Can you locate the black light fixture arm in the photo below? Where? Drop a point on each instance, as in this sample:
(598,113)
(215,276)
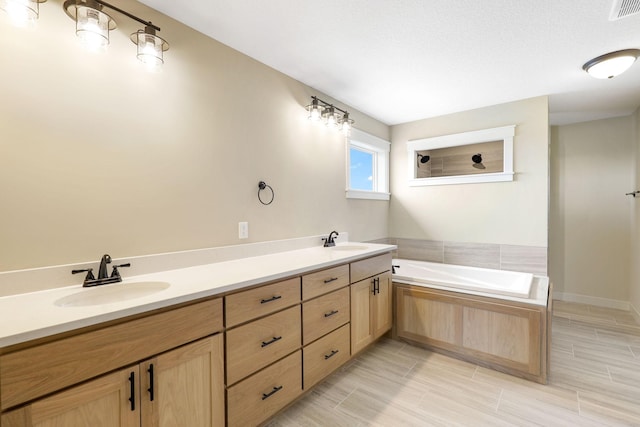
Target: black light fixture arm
(124,12)
(327,104)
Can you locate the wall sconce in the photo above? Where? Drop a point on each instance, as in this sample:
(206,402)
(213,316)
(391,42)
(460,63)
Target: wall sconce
(22,12)
(611,64)
(93,26)
(422,159)
(319,109)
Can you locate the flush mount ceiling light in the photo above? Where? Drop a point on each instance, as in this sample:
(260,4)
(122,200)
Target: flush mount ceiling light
(93,26)
(330,114)
(611,64)
(22,12)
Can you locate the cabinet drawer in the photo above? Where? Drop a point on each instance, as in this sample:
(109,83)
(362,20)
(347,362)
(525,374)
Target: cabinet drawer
(261,342)
(254,303)
(324,314)
(255,399)
(370,267)
(43,369)
(324,281)
(325,355)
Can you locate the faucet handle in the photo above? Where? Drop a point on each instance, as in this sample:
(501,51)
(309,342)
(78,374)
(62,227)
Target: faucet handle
(115,272)
(89,273)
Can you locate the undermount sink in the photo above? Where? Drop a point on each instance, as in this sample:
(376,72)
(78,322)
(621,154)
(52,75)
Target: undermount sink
(108,294)
(349,248)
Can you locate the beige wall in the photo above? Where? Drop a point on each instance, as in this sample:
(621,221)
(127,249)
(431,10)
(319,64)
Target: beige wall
(635,224)
(97,155)
(592,167)
(504,212)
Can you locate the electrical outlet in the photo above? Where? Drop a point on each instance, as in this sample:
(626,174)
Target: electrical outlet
(243,230)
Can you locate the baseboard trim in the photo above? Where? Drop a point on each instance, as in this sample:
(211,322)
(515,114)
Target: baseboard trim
(597,301)
(636,313)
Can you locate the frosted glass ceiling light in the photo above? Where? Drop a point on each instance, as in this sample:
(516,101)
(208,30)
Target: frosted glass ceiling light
(611,64)
(150,47)
(22,12)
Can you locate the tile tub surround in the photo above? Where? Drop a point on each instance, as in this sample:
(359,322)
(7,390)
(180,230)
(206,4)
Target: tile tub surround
(594,381)
(38,279)
(526,259)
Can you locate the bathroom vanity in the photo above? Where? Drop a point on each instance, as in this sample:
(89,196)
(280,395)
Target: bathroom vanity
(234,354)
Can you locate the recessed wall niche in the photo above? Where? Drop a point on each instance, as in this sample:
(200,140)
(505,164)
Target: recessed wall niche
(479,156)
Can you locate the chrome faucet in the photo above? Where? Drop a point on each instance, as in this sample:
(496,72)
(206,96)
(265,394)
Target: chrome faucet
(329,241)
(103,275)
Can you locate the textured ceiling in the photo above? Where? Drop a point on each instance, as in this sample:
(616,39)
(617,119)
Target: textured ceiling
(404,60)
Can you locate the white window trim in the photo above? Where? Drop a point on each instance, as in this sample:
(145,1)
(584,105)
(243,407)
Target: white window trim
(367,142)
(505,133)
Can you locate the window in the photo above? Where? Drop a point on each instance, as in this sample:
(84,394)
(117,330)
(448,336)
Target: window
(367,167)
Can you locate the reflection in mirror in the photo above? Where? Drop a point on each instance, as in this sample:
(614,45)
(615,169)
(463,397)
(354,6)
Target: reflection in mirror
(478,156)
(484,157)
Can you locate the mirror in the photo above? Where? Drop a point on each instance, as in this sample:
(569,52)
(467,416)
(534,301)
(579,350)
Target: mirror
(478,156)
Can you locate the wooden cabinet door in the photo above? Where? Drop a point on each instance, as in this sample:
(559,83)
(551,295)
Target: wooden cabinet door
(103,402)
(186,384)
(381,305)
(361,326)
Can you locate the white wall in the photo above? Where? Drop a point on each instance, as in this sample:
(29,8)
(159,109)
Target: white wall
(505,212)
(635,224)
(592,167)
(97,155)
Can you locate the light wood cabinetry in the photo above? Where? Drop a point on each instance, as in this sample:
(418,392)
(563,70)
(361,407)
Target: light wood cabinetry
(324,314)
(325,355)
(370,300)
(253,303)
(253,400)
(508,336)
(254,345)
(180,387)
(325,281)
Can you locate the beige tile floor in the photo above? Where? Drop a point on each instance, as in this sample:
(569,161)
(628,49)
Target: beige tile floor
(594,381)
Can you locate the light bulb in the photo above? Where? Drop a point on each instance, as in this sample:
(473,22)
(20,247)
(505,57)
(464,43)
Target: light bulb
(22,13)
(92,28)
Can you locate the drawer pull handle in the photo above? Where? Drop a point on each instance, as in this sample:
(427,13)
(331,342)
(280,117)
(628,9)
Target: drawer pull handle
(330,355)
(331,313)
(333,279)
(266,343)
(132,383)
(273,298)
(271,393)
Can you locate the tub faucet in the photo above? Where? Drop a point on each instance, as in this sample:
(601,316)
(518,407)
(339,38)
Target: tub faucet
(393,268)
(329,241)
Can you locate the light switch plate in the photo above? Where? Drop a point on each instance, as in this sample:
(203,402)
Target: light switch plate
(243,230)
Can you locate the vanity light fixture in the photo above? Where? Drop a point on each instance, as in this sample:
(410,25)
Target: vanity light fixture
(93,26)
(22,12)
(330,115)
(611,64)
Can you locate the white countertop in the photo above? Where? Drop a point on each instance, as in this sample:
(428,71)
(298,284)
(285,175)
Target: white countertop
(33,315)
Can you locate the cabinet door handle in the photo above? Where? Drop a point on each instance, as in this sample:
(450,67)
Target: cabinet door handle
(373,282)
(331,313)
(273,298)
(330,355)
(151,388)
(132,384)
(271,393)
(266,343)
(333,279)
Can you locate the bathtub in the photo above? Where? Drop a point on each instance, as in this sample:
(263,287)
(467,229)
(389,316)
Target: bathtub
(457,277)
